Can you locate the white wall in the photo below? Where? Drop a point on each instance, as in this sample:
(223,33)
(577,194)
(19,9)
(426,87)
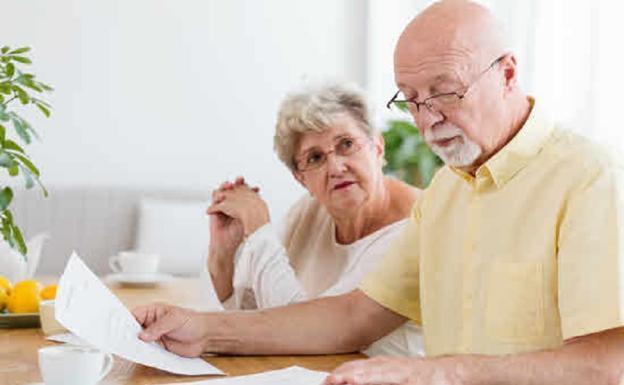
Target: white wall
(178,93)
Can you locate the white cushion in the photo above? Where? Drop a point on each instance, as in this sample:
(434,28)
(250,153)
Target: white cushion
(177,231)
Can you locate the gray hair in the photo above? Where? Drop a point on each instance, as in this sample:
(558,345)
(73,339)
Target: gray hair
(314,109)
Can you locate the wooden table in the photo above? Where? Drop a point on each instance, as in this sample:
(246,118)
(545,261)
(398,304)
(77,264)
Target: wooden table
(18,347)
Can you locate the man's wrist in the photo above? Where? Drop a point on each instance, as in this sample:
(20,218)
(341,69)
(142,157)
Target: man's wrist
(468,369)
(217,335)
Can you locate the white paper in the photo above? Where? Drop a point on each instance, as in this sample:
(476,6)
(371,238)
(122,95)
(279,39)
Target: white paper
(89,310)
(293,375)
(67,338)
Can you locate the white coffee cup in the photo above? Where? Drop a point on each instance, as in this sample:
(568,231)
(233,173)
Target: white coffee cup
(73,365)
(131,262)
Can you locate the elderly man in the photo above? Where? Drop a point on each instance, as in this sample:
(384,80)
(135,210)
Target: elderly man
(512,260)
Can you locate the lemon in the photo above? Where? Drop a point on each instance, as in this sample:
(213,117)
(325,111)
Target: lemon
(25,297)
(49,292)
(3,299)
(5,284)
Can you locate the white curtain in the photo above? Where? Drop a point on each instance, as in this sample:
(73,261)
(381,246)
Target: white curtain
(569,51)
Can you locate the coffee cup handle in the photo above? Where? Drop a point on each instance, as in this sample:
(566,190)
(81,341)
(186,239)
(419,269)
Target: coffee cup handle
(107,366)
(113,263)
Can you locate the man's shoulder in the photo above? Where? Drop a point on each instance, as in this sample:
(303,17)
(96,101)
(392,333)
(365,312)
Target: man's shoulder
(569,149)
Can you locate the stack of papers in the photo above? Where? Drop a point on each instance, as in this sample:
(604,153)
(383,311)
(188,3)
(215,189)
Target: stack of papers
(86,307)
(293,375)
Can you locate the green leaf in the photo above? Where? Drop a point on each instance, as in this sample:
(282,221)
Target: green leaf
(5,49)
(28,164)
(21,94)
(19,50)
(11,145)
(10,70)
(14,170)
(5,88)
(28,178)
(19,240)
(43,109)
(45,87)
(21,59)
(6,196)
(2,133)
(1,99)
(21,130)
(29,128)
(6,159)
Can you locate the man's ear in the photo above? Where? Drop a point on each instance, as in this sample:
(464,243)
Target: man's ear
(510,71)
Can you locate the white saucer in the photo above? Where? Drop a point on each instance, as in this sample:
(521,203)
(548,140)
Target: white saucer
(139,279)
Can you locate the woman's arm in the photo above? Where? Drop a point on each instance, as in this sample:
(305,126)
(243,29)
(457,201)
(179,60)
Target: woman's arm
(264,267)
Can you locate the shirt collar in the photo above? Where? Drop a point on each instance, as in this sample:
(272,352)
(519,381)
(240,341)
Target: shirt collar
(516,154)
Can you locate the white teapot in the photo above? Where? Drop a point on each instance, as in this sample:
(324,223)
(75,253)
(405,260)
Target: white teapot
(14,266)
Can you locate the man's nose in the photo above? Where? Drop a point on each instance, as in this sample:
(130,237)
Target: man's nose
(425,118)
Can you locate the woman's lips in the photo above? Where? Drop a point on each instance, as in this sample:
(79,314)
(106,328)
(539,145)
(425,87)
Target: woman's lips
(343,185)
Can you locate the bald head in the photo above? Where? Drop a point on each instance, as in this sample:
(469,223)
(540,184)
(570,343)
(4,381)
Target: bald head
(459,28)
(454,55)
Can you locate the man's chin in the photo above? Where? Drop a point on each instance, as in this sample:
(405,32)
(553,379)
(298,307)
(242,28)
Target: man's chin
(455,159)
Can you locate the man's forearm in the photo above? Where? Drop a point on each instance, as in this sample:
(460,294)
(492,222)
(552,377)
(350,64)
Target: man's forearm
(595,360)
(322,326)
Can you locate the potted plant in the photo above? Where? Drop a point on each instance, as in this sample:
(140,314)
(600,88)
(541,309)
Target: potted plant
(407,155)
(19,89)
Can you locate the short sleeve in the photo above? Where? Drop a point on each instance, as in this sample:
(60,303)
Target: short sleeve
(590,256)
(394,284)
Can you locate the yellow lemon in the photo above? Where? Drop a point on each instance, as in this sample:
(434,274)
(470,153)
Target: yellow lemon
(49,292)
(25,297)
(3,299)
(5,284)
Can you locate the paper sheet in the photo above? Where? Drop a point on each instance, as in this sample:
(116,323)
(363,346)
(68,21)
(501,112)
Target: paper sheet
(67,338)
(293,375)
(89,310)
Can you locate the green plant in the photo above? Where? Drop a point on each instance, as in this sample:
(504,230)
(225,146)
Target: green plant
(17,89)
(407,155)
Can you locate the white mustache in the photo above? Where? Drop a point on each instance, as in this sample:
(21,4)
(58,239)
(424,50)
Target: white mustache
(446,131)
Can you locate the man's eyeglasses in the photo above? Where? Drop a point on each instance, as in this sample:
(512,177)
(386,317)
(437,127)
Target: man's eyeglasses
(315,158)
(435,103)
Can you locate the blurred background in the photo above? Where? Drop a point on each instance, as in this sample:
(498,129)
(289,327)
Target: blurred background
(158,101)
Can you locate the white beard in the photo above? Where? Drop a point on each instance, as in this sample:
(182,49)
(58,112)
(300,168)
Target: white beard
(461,152)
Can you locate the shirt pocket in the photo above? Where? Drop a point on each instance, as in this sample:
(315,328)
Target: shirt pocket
(515,302)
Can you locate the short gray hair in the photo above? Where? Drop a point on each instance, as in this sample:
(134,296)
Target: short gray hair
(314,109)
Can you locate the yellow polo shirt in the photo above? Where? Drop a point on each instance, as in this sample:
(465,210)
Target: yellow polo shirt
(520,257)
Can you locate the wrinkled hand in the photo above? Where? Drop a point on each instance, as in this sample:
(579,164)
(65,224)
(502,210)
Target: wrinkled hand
(179,330)
(395,371)
(239,201)
(226,233)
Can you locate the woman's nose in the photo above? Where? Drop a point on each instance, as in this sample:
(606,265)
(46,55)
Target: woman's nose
(336,163)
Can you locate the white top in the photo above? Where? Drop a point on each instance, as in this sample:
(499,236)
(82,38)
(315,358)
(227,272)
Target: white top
(304,261)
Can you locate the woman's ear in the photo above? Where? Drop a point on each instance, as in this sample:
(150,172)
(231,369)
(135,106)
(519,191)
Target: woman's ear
(299,176)
(380,146)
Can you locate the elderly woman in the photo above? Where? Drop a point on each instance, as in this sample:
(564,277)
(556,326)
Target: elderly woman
(330,238)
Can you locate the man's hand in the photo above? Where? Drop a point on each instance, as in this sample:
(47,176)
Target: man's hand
(395,371)
(180,331)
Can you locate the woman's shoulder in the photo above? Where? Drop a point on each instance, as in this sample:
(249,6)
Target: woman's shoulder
(403,196)
(305,213)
